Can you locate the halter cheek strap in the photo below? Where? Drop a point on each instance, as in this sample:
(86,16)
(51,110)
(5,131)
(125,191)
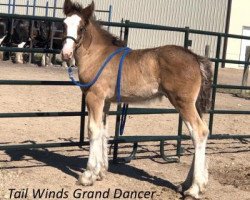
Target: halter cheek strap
(72,38)
(77,43)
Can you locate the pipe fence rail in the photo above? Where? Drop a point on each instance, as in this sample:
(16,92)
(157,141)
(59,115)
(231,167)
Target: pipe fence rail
(12,6)
(131,111)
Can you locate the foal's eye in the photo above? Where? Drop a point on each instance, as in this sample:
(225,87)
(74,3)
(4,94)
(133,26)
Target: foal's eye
(82,28)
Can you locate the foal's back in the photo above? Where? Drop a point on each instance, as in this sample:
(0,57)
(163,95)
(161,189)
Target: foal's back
(150,73)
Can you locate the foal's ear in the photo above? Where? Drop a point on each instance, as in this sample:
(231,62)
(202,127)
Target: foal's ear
(88,11)
(67,7)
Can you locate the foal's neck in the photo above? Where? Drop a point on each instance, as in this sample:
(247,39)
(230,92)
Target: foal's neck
(102,37)
(101,45)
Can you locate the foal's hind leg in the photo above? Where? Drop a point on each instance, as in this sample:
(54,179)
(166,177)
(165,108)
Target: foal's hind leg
(95,161)
(198,175)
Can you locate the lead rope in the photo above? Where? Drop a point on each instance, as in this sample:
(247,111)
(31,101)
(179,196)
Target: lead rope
(119,76)
(123,118)
(89,84)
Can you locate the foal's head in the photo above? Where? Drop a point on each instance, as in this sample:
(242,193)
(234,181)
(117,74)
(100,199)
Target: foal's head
(75,26)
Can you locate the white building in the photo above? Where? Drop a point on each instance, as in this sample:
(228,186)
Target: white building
(240,25)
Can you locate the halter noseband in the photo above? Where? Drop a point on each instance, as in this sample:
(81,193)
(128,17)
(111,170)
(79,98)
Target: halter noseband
(70,37)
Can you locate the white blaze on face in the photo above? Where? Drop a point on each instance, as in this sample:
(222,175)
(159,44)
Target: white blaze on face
(72,23)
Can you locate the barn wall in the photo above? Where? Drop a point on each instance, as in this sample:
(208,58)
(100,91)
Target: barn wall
(207,15)
(240,17)
(197,14)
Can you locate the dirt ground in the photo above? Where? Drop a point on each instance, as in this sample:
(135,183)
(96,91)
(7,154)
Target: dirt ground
(57,169)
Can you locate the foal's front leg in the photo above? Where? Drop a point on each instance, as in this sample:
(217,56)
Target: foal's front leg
(105,140)
(95,127)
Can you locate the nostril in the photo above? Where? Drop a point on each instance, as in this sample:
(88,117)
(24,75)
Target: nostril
(67,55)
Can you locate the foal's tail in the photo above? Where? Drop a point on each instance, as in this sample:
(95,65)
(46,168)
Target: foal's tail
(203,102)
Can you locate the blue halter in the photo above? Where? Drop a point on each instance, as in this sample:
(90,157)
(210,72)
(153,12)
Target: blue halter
(125,51)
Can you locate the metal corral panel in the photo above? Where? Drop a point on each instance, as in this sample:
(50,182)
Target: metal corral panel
(207,15)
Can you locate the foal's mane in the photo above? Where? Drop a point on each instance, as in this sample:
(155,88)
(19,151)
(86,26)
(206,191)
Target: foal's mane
(75,8)
(87,15)
(108,37)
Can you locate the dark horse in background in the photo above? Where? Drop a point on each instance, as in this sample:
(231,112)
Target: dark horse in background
(5,25)
(17,36)
(20,36)
(47,35)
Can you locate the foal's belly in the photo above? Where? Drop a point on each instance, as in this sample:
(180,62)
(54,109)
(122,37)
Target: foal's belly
(140,92)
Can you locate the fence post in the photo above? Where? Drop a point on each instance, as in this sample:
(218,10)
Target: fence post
(179,150)
(46,14)
(126,32)
(31,55)
(14,7)
(118,116)
(121,29)
(110,15)
(32,29)
(47,8)
(207,51)
(82,121)
(27,7)
(9,6)
(216,70)
(187,42)
(12,23)
(12,20)
(52,58)
(246,70)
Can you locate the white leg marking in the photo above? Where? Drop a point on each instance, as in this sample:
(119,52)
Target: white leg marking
(48,59)
(105,146)
(21,45)
(95,161)
(64,64)
(200,164)
(95,145)
(200,174)
(19,55)
(43,60)
(105,136)
(1,40)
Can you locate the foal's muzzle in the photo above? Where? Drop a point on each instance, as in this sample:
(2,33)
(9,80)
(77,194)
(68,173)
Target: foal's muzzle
(68,54)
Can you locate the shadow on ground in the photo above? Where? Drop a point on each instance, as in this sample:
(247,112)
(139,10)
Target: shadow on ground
(72,165)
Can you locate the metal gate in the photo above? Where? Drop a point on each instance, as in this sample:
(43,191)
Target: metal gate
(179,137)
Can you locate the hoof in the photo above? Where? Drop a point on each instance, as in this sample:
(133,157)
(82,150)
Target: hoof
(102,175)
(183,187)
(189,198)
(193,192)
(179,188)
(87,178)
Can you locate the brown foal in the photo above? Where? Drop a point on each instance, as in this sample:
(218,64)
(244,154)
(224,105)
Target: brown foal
(171,71)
